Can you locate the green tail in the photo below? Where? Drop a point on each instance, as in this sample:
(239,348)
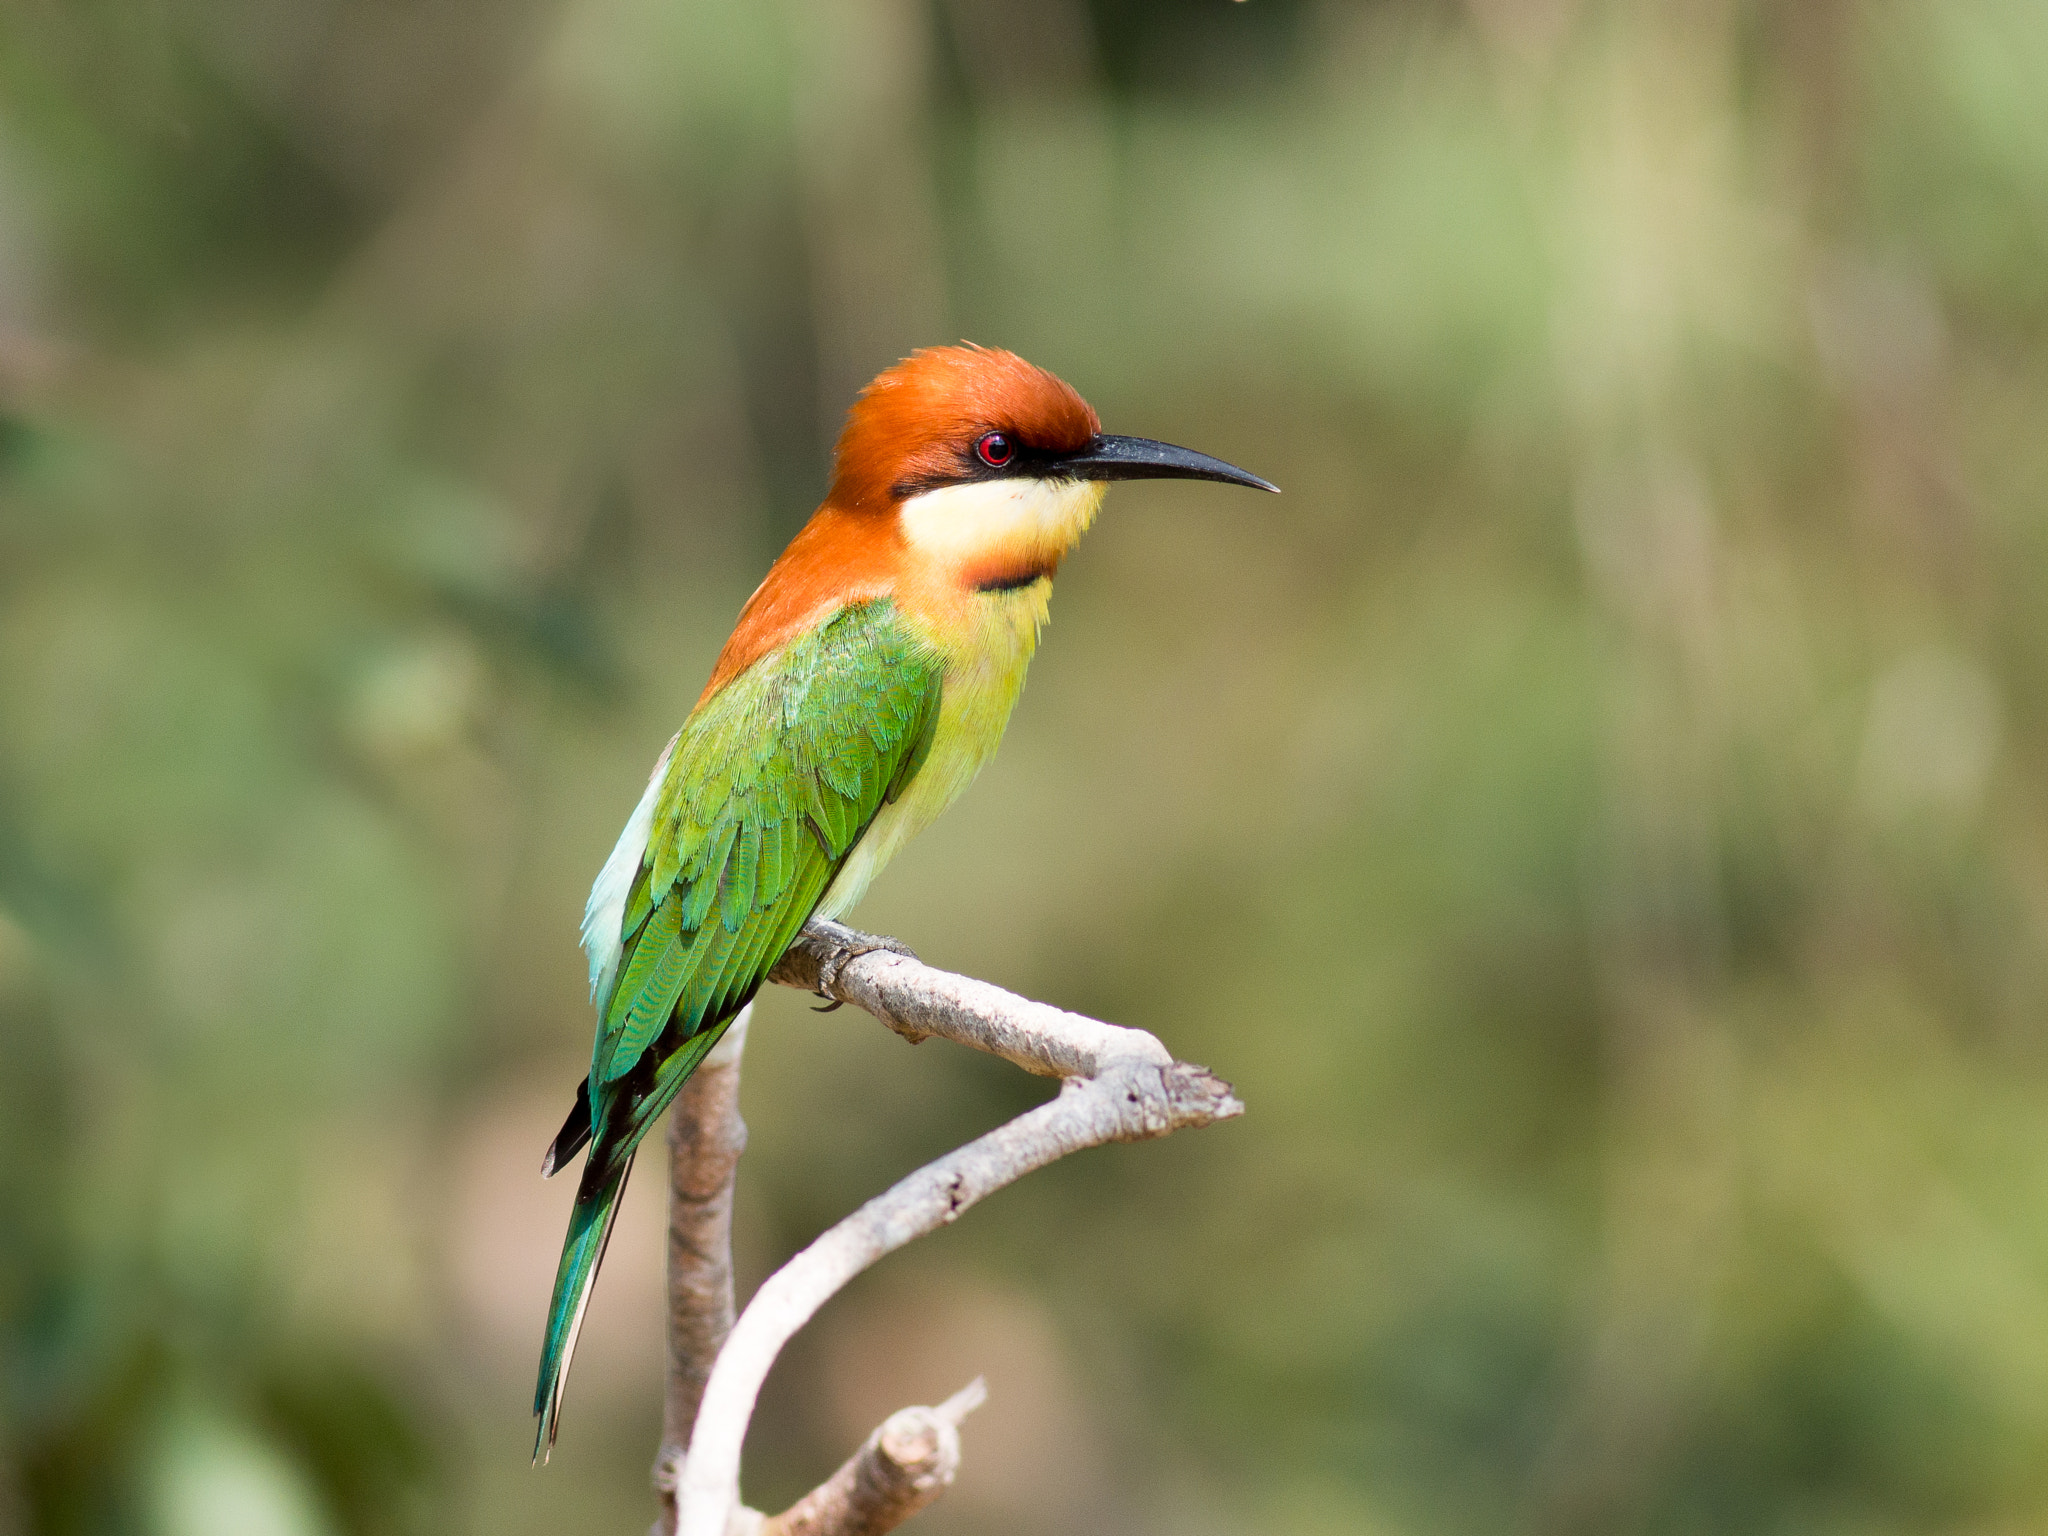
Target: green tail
(636,1103)
(590,1228)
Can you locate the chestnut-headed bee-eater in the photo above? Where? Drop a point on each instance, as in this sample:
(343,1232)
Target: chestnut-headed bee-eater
(868,679)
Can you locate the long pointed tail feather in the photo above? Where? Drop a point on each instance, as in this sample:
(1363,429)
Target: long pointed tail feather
(597,1203)
(590,1229)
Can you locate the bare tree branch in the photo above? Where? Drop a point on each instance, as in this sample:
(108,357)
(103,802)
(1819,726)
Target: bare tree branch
(705,1139)
(919,1001)
(1121,1085)
(904,1465)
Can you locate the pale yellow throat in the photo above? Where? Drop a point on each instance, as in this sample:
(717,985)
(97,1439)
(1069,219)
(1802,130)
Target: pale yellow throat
(960,535)
(990,521)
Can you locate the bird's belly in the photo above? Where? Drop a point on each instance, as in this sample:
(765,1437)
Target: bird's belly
(985,669)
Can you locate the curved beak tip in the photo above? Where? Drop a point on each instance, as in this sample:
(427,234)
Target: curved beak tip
(1142,458)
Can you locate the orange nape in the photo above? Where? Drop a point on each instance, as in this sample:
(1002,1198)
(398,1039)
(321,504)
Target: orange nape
(906,428)
(907,424)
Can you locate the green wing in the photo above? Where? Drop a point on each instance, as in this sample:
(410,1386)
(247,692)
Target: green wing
(771,784)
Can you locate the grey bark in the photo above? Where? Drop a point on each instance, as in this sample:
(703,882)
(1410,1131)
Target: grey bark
(705,1139)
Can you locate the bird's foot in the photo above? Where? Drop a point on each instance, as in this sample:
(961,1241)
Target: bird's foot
(836,945)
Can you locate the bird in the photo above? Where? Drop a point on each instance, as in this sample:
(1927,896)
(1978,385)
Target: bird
(868,679)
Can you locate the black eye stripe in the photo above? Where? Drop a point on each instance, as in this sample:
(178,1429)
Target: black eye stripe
(1024,462)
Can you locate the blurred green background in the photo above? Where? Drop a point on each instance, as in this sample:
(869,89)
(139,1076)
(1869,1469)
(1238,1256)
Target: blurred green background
(1597,818)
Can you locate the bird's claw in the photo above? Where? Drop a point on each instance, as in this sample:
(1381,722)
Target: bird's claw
(839,945)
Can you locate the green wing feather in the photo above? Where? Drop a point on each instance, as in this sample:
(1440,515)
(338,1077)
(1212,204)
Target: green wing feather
(771,783)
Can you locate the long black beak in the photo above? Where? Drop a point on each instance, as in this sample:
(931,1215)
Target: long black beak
(1139,458)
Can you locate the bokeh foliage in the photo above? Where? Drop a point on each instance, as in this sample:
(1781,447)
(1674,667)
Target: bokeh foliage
(1596,817)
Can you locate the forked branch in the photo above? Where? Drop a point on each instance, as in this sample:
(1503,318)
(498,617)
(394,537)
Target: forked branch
(1119,1085)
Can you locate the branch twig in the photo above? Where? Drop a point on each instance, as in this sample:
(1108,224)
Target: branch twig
(904,1465)
(1121,1085)
(705,1139)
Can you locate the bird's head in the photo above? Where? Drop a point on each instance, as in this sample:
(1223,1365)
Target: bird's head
(962,471)
(989,460)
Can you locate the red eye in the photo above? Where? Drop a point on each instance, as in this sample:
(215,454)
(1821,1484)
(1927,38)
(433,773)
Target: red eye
(995,450)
